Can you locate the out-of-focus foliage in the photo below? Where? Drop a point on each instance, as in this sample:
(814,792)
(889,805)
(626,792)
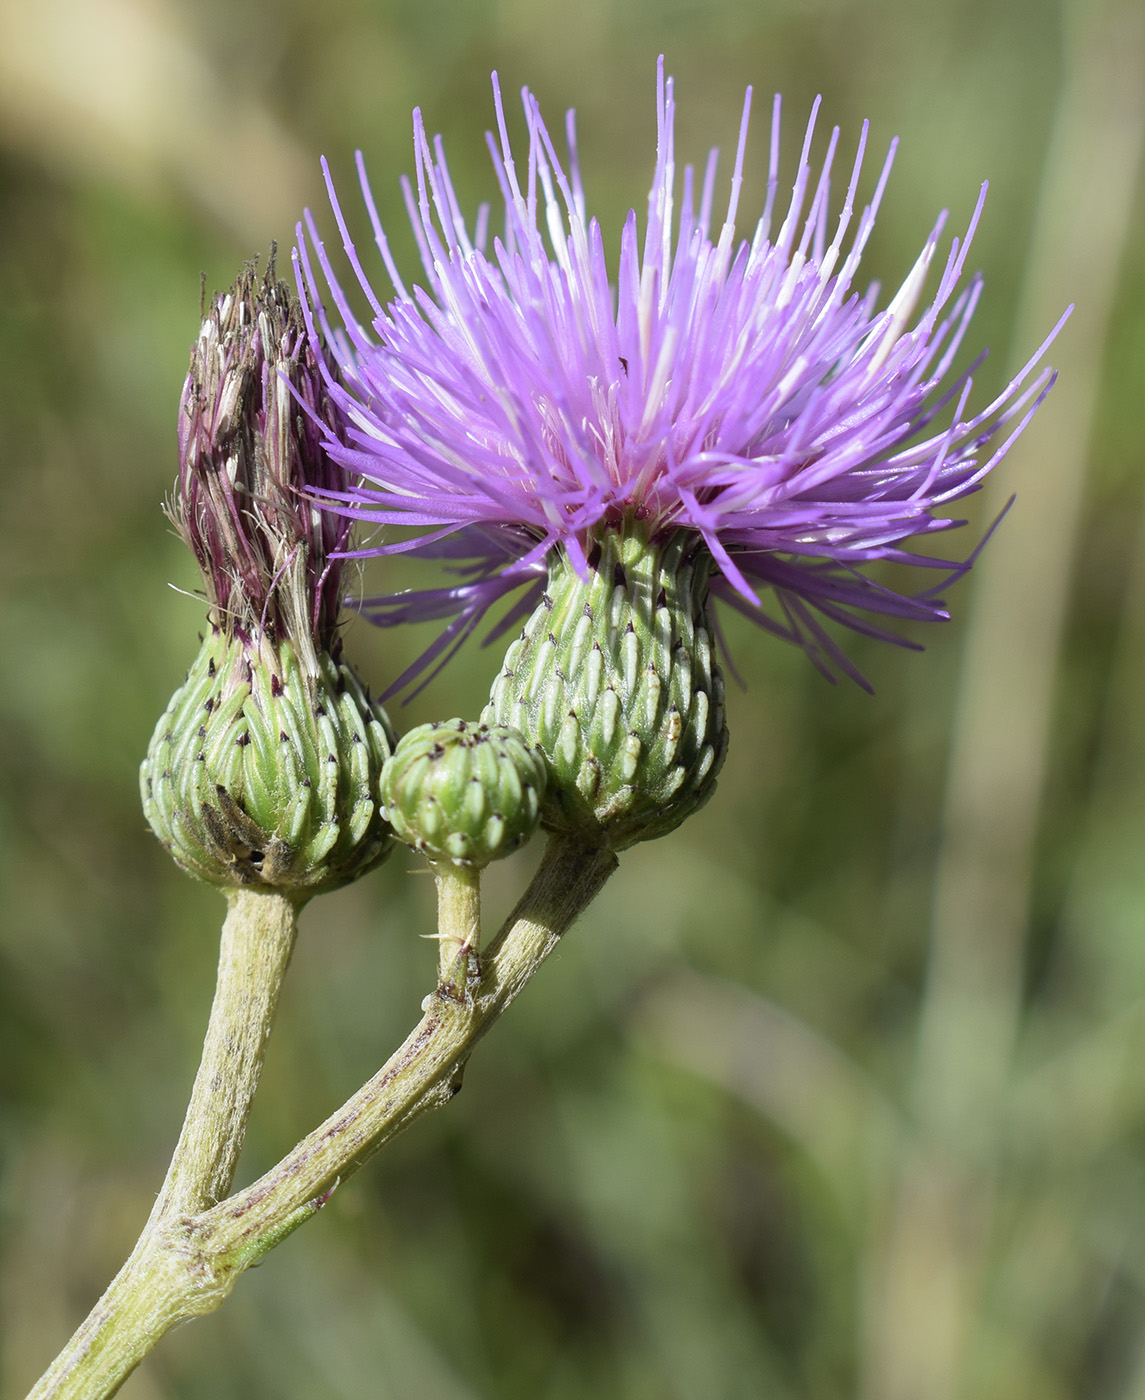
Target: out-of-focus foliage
(817,1101)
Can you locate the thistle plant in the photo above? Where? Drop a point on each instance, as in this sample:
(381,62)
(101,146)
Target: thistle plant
(261,777)
(613,454)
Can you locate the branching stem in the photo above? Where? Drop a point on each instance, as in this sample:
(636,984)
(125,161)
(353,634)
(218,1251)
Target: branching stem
(192,1251)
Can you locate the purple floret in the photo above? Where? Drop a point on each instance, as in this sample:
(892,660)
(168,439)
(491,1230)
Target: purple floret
(526,398)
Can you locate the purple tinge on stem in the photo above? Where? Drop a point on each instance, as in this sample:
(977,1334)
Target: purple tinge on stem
(527,398)
(252,418)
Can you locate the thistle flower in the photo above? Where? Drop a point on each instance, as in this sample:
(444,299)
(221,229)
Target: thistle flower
(264,768)
(734,404)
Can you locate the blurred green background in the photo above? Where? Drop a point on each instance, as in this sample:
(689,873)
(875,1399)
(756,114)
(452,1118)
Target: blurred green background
(837,1092)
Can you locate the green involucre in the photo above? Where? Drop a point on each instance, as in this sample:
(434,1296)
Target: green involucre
(464,793)
(614,680)
(260,774)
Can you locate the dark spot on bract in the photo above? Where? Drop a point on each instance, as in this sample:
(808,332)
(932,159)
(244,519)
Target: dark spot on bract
(275,686)
(211,666)
(662,599)
(593,559)
(588,612)
(619,575)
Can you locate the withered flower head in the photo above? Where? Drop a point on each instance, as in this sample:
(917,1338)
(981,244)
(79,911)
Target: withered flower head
(251,422)
(264,768)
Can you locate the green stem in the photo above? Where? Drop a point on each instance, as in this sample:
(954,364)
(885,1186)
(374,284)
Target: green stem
(257,940)
(458,928)
(422,1074)
(187,1264)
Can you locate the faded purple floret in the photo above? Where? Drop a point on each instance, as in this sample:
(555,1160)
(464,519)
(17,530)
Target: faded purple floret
(252,418)
(742,391)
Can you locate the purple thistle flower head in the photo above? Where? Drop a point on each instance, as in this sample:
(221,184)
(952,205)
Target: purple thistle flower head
(529,396)
(252,417)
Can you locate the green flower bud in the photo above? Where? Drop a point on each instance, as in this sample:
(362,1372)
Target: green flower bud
(261,774)
(463,793)
(613,679)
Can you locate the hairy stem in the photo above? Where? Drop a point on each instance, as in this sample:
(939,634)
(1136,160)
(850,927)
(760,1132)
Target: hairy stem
(188,1260)
(257,941)
(142,1300)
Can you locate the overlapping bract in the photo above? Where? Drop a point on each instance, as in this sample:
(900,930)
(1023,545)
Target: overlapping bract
(526,398)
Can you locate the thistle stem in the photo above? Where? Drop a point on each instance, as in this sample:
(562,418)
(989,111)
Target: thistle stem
(257,942)
(142,1301)
(458,928)
(187,1261)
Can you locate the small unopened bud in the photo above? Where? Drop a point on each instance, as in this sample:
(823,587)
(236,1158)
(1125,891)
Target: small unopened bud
(614,680)
(463,793)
